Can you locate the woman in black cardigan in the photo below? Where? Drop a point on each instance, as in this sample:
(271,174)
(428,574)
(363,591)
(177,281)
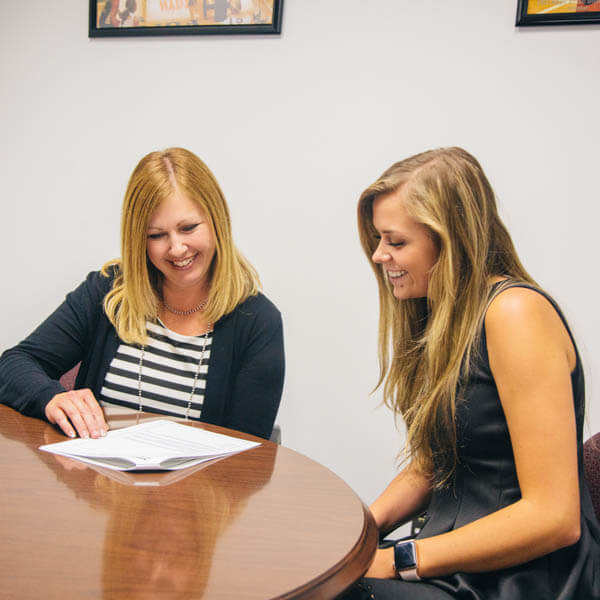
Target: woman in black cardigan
(176,326)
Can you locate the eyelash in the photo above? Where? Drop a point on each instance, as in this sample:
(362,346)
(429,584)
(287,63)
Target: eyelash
(185,229)
(393,244)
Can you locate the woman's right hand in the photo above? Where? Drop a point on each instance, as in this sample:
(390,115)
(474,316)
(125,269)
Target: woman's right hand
(77,412)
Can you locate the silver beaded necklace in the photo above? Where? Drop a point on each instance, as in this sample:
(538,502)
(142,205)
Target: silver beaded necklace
(196,374)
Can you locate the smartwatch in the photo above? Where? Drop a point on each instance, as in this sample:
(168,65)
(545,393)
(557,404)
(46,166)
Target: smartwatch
(405,560)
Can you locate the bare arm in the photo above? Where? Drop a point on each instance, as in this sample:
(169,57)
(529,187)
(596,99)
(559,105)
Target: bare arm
(531,357)
(404,498)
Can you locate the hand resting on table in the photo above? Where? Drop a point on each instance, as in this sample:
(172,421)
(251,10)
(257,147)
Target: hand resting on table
(77,412)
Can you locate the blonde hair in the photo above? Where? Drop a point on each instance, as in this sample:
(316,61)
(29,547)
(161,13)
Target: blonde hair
(426,344)
(136,293)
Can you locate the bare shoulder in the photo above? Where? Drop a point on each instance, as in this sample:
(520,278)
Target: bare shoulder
(520,304)
(520,317)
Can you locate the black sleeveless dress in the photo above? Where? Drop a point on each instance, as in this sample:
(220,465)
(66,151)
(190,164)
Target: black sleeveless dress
(486,481)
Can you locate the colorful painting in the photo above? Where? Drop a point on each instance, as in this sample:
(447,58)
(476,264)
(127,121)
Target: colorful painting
(177,17)
(558,12)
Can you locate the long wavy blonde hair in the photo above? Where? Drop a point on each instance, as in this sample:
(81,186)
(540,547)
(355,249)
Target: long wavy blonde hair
(136,293)
(426,344)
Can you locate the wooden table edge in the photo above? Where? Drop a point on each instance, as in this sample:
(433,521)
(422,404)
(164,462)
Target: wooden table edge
(338,579)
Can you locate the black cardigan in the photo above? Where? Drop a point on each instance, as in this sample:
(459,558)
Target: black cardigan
(245,375)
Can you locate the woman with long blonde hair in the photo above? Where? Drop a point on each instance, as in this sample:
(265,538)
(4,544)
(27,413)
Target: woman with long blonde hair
(480,365)
(176,326)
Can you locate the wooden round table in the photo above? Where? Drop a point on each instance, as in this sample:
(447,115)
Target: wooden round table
(266,523)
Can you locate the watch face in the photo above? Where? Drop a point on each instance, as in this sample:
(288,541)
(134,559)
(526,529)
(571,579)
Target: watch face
(405,556)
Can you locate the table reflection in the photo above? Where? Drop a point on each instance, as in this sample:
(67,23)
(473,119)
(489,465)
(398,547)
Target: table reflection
(162,528)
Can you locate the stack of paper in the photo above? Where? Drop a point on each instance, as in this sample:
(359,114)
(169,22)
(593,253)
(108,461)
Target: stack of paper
(154,445)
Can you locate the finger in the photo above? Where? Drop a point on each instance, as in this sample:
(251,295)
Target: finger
(99,424)
(65,409)
(81,417)
(83,411)
(56,416)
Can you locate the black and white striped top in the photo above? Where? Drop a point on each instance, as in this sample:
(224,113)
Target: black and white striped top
(169,364)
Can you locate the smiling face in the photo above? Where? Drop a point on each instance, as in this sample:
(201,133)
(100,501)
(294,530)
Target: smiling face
(406,250)
(180,243)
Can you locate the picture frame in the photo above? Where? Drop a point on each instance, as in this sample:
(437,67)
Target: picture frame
(116,18)
(556,12)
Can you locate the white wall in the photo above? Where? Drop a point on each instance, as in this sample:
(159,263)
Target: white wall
(295,126)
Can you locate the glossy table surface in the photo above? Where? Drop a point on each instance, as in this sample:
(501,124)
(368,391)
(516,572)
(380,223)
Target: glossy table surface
(265,523)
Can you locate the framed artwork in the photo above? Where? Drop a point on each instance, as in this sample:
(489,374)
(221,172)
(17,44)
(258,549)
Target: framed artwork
(557,12)
(183,17)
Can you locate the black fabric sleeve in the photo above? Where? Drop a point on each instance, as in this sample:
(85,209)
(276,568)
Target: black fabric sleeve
(29,372)
(258,383)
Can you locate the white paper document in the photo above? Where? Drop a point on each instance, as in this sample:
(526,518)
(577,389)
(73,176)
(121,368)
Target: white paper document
(155,445)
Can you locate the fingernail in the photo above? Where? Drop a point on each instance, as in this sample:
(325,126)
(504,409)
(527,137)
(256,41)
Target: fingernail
(103,433)
(85,435)
(71,434)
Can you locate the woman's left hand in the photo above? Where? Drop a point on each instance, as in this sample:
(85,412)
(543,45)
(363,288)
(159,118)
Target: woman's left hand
(382,566)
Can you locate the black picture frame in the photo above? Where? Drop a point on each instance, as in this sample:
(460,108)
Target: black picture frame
(126,18)
(582,15)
